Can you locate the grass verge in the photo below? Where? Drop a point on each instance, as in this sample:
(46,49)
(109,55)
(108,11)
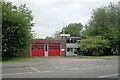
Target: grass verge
(21,60)
(94,57)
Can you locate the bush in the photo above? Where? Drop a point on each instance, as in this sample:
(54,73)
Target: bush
(94,45)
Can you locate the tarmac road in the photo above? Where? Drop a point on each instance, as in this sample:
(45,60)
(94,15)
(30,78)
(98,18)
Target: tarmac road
(65,68)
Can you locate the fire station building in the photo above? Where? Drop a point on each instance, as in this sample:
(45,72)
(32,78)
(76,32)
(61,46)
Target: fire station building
(63,46)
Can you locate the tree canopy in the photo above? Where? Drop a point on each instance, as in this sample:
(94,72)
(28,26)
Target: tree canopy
(104,22)
(57,34)
(49,37)
(95,43)
(74,29)
(16,27)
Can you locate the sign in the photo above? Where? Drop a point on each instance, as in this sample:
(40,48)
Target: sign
(62,49)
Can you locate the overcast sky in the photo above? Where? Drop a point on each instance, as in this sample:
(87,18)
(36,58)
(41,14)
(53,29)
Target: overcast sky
(52,15)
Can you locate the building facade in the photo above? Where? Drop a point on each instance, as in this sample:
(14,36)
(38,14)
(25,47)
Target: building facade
(71,46)
(63,46)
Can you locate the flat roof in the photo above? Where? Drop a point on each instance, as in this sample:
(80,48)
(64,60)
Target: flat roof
(47,41)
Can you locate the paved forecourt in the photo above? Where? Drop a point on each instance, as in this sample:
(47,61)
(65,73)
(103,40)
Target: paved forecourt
(66,68)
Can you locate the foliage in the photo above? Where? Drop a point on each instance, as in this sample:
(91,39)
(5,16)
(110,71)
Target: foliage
(118,25)
(104,22)
(0,26)
(49,37)
(92,43)
(16,27)
(73,29)
(56,34)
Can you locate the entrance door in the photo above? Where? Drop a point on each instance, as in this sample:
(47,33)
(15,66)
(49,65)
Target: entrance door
(53,49)
(34,50)
(37,50)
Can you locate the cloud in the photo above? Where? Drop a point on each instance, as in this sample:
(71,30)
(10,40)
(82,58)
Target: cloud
(52,15)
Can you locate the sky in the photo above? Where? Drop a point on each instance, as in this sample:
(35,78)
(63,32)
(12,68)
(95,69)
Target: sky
(52,15)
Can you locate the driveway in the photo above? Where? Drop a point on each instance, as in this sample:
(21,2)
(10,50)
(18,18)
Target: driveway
(60,67)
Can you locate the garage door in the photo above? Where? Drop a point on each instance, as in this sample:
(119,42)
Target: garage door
(37,50)
(53,49)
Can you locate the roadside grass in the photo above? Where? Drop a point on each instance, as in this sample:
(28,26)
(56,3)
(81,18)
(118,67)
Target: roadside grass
(94,57)
(21,60)
(26,59)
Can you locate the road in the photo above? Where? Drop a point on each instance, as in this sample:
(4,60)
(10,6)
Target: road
(66,68)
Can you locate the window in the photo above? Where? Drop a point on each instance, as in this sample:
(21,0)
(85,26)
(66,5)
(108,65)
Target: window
(39,47)
(68,41)
(52,47)
(35,47)
(69,49)
(32,47)
(58,47)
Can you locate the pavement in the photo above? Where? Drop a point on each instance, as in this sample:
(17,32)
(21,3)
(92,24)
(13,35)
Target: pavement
(63,68)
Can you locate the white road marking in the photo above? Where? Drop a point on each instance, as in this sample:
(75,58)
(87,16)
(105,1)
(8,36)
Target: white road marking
(34,69)
(95,67)
(71,67)
(108,75)
(53,71)
(56,67)
(77,68)
(48,71)
(86,65)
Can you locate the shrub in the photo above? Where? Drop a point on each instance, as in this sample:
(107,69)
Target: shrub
(94,44)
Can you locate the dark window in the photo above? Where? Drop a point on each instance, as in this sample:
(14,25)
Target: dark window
(58,47)
(32,47)
(35,47)
(55,47)
(52,47)
(42,47)
(69,49)
(39,47)
(68,41)
(49,47)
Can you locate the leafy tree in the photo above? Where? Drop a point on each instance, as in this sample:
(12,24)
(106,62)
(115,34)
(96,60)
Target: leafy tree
(0,26)
(104,22)
(49,37)
(118,25)
(73,29)
(16,27)
(57,34)
(94,44)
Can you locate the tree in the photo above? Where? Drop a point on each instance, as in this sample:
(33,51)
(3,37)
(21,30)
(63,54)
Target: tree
(1,27)
(118,25)
(104,22)
(16,27)
(49,37)
(56,34)
(93,44)
(73,29)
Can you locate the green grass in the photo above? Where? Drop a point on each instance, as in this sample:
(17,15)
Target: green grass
(94,57)
(21,60)
(25,59)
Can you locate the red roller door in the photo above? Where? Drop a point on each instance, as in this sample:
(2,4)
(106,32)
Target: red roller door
(37,50)
(54,49)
